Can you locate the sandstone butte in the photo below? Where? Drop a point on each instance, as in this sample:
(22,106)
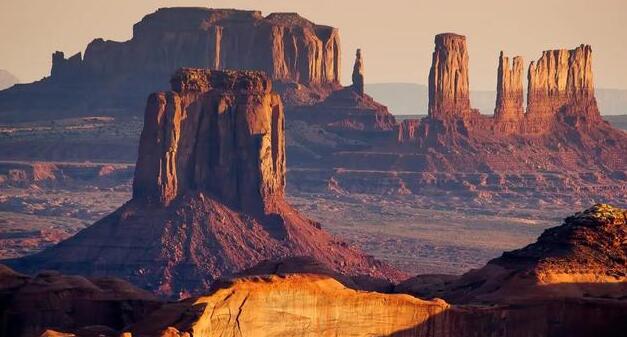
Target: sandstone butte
(208,196)
(557,149)
(113,78)
(571,282)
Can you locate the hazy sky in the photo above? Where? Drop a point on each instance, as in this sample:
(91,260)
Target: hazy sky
(396,35)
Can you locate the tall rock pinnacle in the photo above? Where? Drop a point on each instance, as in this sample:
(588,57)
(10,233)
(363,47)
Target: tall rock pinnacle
(448,77)
(358,73)
(216,132)
(561,79)
(509,90)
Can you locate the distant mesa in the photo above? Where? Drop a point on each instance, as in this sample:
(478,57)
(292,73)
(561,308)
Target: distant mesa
(114,78)
(207,196)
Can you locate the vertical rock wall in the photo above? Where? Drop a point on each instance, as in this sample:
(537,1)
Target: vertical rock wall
(217,132)
(448,78)
(561,79)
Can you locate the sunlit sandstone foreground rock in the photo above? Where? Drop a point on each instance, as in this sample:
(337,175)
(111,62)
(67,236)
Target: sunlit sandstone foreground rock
(207,197)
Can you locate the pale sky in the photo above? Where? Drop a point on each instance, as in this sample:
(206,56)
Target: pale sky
(396,36)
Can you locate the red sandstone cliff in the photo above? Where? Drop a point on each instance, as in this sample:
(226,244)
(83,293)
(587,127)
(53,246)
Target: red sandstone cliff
(585,257)
(113,78)
(448,78)
(207,196)
(509,91)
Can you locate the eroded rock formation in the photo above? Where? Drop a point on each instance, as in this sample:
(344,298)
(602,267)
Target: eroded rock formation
(218,132)
(314,305)
(561,79)
(585,257)
(50,300)
(208,196)
(509,91)
(113,78)
(449,94)
(358,73)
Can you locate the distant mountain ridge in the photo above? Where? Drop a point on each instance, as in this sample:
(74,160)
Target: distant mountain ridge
(412,98)
(7,79)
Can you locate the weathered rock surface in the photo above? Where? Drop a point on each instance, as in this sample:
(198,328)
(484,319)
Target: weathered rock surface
(315,305)
(358,73)
(208,196)
(113,78)
(218,132)
(31,305)
(509,92)
(585,257)
(449,93)
(561,79)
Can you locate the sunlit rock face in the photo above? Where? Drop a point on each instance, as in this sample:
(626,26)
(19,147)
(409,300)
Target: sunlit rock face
(448,78)
(217,132)
(207,197)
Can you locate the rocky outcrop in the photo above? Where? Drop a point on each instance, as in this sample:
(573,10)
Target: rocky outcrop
(448,78)
(408,130)
(207,196)
(49,300)
(220,133)
(315,305)
(509,92)
(585,257)
(113,78)
(358,73)
(561,82)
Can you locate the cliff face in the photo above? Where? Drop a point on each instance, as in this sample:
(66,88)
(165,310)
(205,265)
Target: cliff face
(207,196)
(218,132)
(113,78)
(561,79)
(509,90)
(585,257)
(448,78)
(284,45)
(314,305)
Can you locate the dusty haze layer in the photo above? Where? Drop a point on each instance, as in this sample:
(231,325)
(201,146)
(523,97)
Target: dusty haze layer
(401,30)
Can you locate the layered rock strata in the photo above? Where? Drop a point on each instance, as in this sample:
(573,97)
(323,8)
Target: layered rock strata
(585,257)
(448,78)
(509,90)
(113,78)
(207,196)
(221,133)
(315,305)
(560,78)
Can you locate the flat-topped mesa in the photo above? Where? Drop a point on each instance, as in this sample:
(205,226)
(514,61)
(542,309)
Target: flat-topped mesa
(358,73)
(217,132)
(561,81)
(448,78)
(509,90)
(284,45)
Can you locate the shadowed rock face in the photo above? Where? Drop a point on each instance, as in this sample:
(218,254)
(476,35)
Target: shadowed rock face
(207,196)
(358,73)
(218,132)
(448,78)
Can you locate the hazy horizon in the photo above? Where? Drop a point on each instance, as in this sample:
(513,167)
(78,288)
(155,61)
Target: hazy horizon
(397,40)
